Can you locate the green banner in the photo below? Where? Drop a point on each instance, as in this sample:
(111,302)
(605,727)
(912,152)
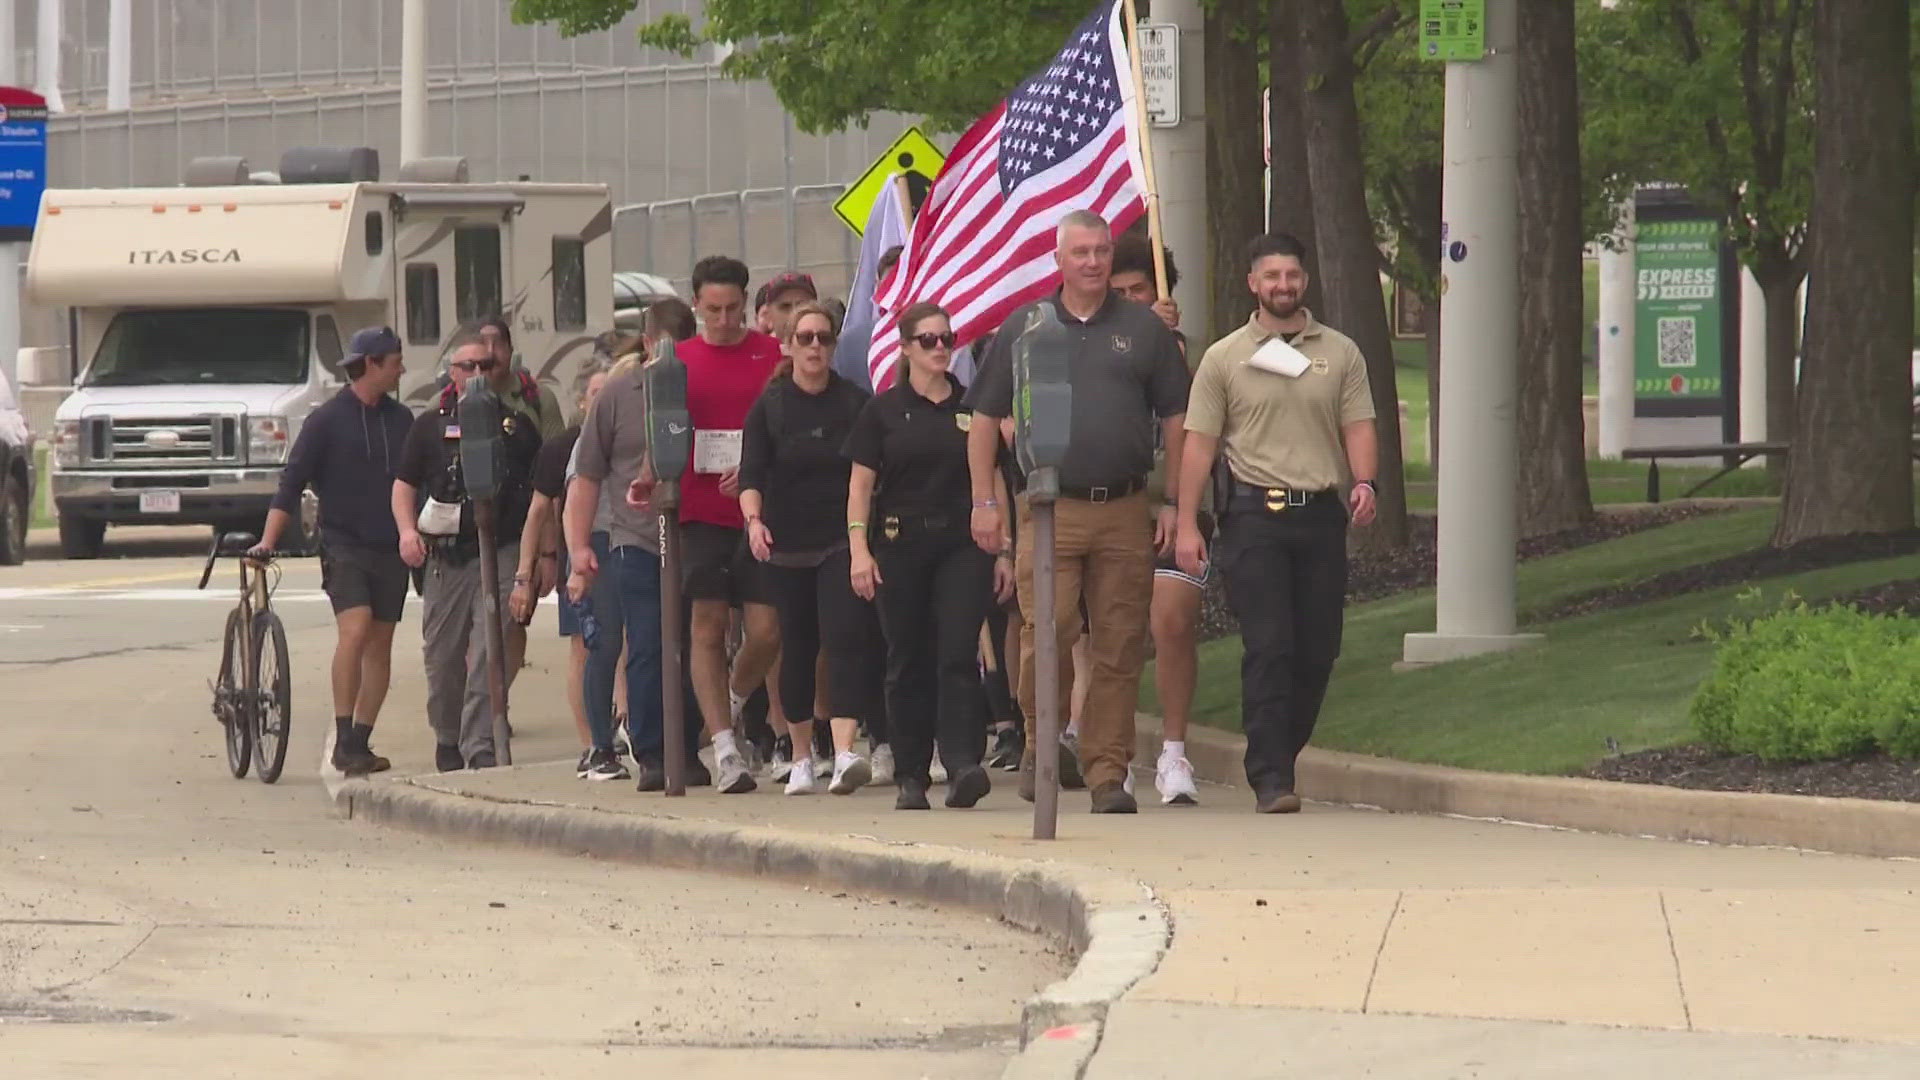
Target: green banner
(1453,29)
(1679,308)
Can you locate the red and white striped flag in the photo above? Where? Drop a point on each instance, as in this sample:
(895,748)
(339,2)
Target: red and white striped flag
(1067,139)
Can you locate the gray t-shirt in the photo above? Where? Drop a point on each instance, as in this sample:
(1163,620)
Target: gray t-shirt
(1126,371)
(612,448)
(602,514)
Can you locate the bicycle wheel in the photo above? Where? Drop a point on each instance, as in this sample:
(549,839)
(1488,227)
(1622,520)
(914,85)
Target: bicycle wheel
(230,699)
(273,696)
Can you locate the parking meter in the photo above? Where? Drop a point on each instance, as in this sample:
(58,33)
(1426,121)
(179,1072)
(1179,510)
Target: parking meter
(481,464)
(480,440)
(669,451)
(1042,400)
(1043,428)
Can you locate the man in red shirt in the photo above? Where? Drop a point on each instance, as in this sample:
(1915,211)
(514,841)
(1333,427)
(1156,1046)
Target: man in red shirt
(727,368)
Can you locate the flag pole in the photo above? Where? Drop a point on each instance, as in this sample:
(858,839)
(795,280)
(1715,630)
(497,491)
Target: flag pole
(1146,149)
(899,187)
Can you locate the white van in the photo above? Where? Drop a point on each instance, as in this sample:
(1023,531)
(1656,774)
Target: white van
(210,319)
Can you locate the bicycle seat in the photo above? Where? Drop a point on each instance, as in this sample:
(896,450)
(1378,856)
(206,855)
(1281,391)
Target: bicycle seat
(237,543)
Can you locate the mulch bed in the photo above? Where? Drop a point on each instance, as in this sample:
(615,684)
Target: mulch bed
(1755,565)
(1702,769)
(1372,576)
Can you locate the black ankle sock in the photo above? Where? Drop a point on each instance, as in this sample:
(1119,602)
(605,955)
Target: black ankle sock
(342,730)
(361,734)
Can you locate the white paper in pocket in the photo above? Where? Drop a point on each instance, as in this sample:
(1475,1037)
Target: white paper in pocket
(439,518)
(1280,358)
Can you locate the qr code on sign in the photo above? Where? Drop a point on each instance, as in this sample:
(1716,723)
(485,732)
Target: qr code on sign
(1678,344)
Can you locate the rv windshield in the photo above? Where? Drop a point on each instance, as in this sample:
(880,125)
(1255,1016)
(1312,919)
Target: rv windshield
(185,346)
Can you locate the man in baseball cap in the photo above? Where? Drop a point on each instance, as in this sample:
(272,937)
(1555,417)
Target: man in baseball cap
(773,305)
(346,452)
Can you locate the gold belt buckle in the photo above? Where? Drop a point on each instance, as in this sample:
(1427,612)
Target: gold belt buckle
(892,527)
(1276,500)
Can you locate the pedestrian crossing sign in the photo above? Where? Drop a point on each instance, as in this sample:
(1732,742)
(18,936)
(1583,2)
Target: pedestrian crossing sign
(913,156)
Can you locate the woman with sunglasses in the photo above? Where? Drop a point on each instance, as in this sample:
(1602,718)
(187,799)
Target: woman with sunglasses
(908,508)
(793,483)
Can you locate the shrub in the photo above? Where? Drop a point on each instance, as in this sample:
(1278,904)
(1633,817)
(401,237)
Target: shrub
(1811,684)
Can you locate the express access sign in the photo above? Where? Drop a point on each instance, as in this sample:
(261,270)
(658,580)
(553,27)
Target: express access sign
(23,160)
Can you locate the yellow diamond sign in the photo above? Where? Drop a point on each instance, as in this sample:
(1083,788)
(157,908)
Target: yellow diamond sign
(912,156)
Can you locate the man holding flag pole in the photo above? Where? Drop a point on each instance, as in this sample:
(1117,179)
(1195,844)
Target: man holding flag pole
(1026,206)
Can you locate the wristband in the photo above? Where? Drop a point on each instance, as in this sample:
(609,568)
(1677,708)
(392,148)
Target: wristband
(985,504)
(1368,484)
(852,525)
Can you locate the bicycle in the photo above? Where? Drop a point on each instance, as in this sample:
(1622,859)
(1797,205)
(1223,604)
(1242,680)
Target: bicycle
(253,694)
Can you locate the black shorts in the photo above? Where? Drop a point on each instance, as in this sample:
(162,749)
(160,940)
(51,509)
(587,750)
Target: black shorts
(718,565)
(1167,566)
(355,577)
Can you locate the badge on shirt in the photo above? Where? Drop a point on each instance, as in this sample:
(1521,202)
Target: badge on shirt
(892,528)
(509,424)
(963,421)
(452,432)
(1122,343)
(1319,365)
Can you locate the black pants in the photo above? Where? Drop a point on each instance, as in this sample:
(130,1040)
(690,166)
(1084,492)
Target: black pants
(1286,576)
(935,590)
(818,608)
(1001,705)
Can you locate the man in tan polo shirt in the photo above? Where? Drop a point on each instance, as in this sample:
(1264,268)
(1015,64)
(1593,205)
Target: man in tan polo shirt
(1286,400)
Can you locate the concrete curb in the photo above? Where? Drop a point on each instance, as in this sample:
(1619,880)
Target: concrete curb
(1115,928)
(1842,826)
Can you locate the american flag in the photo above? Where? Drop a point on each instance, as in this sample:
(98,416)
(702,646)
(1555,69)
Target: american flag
(1067,139)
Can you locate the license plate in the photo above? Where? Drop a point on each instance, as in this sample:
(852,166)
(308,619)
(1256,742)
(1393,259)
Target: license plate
(159,502)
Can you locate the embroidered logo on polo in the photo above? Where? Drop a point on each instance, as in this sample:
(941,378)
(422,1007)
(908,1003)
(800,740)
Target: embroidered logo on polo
(1122,343)
(963,421)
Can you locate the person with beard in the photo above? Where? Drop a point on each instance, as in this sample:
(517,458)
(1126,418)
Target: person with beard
(1285,400)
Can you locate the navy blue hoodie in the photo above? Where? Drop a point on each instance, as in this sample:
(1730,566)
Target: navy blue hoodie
(347,451)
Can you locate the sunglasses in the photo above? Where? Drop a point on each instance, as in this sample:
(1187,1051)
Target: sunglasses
(930,342)
(471,365)
(814,337)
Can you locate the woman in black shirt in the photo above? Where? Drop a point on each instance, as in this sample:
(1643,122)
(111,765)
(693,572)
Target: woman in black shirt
(793,483)
(908,513)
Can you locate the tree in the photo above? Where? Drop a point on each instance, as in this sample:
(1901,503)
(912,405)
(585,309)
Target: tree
(1849,470)
(1348,256)
(1717,95)
(1233,159)
(835,62)
(1290,198)
(1551,438)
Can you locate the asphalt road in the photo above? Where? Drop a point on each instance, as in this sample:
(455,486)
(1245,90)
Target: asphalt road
(159,918)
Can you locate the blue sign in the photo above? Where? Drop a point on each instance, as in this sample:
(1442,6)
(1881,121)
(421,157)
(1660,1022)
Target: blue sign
(23,161)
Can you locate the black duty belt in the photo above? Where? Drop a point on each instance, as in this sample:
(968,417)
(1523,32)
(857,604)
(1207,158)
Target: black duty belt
(1105,494)
(1278,500)
(894,526)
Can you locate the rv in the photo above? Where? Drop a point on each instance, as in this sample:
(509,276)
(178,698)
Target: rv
(208,320)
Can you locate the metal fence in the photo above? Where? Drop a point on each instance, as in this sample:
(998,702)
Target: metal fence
(770,229)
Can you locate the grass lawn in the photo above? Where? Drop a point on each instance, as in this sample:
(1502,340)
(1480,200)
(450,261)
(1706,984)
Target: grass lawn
(1614,482)
(40,519)
(1627,673)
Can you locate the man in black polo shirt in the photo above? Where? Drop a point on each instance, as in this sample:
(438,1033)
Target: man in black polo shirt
(1127,372)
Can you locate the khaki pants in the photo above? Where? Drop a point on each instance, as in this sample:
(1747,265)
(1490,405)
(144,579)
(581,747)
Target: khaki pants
(1104,552)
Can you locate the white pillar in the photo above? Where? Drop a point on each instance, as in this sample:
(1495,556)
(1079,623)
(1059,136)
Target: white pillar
(46,54)
(1480,331)
(120,55)
(1753,361)
(413,80)
(1180,168)
(9,251)
(1616,339)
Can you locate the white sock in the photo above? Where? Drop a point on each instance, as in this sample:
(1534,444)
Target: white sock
(723,745)
(1173,748)
(737,703)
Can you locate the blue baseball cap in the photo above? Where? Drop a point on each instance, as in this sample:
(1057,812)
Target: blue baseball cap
(373,341)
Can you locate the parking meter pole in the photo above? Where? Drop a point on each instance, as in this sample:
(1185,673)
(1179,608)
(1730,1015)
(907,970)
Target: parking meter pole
(496,634)
(672,657)
(1042,487)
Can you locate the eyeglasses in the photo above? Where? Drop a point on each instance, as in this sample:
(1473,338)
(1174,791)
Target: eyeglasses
(472,365)
(930,342)
(814,337)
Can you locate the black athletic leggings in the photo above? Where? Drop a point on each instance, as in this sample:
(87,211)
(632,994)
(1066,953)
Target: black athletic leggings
(818,608)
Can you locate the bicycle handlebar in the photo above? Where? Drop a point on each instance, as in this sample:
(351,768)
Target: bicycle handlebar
(206,573)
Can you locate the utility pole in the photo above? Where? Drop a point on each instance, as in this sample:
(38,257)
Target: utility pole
(1180,165)
(413,80)
(1616,337)
(46,54)
(120,55)
(9,249)
(1479,336)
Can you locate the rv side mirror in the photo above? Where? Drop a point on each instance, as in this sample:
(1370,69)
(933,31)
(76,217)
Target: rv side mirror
(480,439)
(669,425)
(1042,391)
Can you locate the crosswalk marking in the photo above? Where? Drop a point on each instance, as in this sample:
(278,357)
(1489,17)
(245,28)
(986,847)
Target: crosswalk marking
(224,596)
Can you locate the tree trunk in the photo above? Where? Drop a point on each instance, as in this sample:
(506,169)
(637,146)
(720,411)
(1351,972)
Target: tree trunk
(1779,282)
(1349,259)
(1550,436)
(1233,164)
(1849,470)
(1290,200)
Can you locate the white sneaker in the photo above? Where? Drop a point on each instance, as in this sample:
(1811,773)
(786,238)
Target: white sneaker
(800,777)
(735,777)
(850,773)
(1174,778)
(937,772)
(882,765)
